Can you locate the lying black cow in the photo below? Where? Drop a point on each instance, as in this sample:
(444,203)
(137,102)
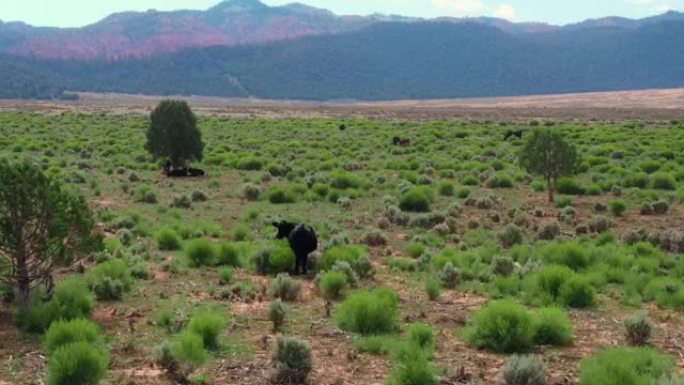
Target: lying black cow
(184,172)
(511,133)
(302,239)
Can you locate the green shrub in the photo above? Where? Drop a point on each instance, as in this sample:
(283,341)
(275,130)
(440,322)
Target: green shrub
(181,201)
(291,359)
(109,280)
(569,186)
(228,255)
(618,207)
(414,249)
(421,335)
(332,283)
(77,363)
(417,199)
(200,252)
(168,240)
(502,326)
(563,202)
(509,236)
(285,287)
(71,299)
(346,253)
(624,366)
(663,181)
(207,325)
(278,195)
(225,274)
(446,188)
(62,333)
(251,192)
(432,288)
(374,344)
(524,370)
(638,329)
(577,292)
(413,369)
(449,276)
(199,196)
(363,267)
(349,273)
(189,348)
(548,282)
(552,327)
(503,266)
(570,254)
(277,313)
(368,312)
(499,180)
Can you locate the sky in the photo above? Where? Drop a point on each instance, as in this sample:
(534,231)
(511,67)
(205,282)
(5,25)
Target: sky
(76,13)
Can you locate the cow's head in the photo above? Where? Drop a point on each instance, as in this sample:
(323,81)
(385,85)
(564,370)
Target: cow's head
(284,228)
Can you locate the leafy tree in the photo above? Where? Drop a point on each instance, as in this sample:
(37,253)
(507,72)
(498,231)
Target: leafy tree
(548,154)
(173,133)
(42,225)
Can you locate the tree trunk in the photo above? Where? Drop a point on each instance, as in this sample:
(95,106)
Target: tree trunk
(551,191)
(23,283)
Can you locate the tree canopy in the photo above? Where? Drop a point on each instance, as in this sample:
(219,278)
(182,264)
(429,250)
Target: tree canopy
(42,226)
(548,154)
(173,133)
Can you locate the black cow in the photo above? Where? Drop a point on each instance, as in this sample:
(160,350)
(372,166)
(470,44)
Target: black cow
(511,133)
(196,172)
(302,239)
(177,172)
(396,140)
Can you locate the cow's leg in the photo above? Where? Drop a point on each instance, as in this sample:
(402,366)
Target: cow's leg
(297,260)
(305,263)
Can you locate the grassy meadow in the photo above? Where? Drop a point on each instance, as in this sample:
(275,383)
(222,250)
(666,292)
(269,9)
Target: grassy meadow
(447,244)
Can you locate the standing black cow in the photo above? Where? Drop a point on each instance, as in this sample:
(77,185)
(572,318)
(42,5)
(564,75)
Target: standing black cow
(511,133)
(195,172)
(302,239)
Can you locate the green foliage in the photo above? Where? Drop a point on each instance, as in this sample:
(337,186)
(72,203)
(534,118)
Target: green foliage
(200,252)
(346,253)
(524,370)
(173,133)
(332,283)
(638,329)
(225,274)
(368,312)
(618,207)
(577,292)
(77,363)
(548,154)
(168,240)
(189,348)
(421,335)
(285,287)
(109,280)
(552,327)
(417,199)
(62,333)
(432,288)
(291,359)
(413,369)
(663,181)
(207,325)
(71,299)
(569,186)
(503,327)
(276,313)
(624,366)
(38,215)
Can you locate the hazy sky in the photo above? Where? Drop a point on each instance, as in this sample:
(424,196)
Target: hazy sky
(70,13)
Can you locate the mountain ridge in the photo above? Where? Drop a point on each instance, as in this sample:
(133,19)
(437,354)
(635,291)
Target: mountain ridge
(131,34)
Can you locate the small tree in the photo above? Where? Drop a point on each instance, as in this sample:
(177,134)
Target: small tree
(548,154)
(42,226)
(173,133)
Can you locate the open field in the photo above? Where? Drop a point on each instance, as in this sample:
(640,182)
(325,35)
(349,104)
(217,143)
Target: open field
(455,199)
(602,106)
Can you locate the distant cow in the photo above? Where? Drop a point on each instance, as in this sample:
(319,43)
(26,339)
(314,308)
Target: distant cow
(177,172)
(397,141)
(342,127)
(511,133)
(302,239)
(196,172)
